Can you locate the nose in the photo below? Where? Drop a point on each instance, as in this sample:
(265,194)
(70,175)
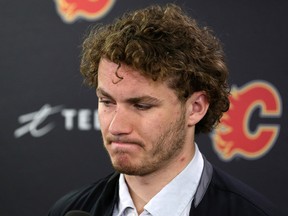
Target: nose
(121,123)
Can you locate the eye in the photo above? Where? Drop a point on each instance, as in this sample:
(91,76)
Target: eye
(140,106)
(105,102)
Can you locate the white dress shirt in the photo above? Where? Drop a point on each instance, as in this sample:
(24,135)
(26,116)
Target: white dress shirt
(174,199)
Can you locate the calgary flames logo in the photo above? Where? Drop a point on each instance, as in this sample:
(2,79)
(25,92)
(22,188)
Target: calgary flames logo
(233,136)
(71,10)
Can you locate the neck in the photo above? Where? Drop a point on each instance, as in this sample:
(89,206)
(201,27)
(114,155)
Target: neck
(143,188)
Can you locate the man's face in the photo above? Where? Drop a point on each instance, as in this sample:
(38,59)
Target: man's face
(143,123)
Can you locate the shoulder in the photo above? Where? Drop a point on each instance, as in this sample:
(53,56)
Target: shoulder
(84,198)
(228,194)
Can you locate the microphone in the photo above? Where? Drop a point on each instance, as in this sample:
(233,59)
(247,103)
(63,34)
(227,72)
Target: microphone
(77,213)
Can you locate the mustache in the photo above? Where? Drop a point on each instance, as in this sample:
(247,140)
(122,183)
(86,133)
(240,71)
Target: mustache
(121,139)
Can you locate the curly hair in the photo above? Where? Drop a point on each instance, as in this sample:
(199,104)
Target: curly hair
(163,43)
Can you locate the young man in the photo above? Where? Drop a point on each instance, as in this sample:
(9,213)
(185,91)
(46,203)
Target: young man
(160,79)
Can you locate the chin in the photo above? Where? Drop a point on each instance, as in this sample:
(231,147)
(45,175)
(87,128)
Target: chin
(125,166)
(128,170)
(132,169)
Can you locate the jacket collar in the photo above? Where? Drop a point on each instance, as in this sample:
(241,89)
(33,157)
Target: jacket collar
(204,182)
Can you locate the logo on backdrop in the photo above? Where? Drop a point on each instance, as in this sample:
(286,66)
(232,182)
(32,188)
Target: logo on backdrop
(72,10)
(40,123)
(233,137)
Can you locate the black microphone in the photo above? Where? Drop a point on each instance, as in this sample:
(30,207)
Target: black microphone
(77,213)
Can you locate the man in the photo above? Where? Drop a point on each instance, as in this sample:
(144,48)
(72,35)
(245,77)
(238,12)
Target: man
(160,79)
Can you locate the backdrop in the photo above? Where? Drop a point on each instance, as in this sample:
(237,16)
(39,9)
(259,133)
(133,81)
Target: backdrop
(49,139)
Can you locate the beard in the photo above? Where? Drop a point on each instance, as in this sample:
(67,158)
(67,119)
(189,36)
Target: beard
(166,147)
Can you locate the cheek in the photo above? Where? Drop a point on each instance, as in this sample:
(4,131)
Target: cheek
(104,119)
(160,123)
(152,127)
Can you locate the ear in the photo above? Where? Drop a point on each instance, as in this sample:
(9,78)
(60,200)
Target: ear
(198,105)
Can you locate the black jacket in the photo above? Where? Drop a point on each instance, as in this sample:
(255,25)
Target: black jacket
(217,194)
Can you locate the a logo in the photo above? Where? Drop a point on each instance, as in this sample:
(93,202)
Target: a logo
(72,10)
(40,122)
(233,137)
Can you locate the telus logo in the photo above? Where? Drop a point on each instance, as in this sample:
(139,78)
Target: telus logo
(40,123)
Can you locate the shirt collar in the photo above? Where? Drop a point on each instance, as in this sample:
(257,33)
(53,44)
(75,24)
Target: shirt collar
(173,196)
(176,195)
(125,200)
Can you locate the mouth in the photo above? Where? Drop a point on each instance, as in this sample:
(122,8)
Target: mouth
(119,144)
(124,145)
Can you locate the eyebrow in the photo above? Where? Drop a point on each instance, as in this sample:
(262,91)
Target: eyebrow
(133,100)
(100,91)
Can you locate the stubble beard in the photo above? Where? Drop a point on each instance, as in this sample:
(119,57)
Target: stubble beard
(167,147)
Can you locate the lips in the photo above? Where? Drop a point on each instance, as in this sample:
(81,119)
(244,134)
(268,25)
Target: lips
(123,140)
(124,146)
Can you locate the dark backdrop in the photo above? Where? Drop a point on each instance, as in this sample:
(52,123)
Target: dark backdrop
(49,139)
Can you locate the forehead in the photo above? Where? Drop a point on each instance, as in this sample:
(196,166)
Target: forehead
(119,72)
(128,81)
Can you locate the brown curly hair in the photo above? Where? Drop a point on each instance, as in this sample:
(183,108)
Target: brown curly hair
(163,43)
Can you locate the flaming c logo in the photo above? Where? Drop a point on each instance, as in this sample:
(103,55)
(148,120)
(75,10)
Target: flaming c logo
(71,10)
(233,136)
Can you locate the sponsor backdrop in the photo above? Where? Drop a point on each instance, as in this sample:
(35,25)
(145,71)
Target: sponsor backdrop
(49,139)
